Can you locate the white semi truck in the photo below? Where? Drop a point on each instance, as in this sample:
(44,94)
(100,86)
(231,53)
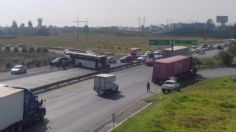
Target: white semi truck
(105,83)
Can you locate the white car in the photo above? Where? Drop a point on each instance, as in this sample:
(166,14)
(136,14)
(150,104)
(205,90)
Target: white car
(143,58)
(18,69)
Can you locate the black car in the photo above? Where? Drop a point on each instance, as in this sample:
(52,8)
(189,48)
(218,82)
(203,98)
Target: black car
(219,47)
(60,62)
(111,59)
(127,59)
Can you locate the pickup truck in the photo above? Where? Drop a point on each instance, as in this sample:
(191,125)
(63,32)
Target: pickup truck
(170,85)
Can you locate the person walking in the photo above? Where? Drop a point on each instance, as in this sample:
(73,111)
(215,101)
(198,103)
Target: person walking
(64,65)
(148,87)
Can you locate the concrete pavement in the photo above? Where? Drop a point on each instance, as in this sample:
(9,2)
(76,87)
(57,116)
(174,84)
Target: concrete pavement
(77,108)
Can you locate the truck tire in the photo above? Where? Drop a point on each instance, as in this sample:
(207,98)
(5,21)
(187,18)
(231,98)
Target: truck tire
(18,127)
(165,91)
(99,93)
(117,87)
(11,129)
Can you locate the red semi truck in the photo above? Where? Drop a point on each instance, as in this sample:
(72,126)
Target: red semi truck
(177,66)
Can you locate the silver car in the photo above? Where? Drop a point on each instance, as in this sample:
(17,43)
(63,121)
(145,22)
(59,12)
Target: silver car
(18,69)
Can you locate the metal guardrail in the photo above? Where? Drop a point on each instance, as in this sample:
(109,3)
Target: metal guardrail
(69,81)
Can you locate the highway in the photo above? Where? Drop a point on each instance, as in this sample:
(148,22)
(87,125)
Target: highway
(30,72)
(39,79)
(36,77)
(77,108)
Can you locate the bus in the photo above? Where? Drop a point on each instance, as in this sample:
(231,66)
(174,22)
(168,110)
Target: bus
(90,61)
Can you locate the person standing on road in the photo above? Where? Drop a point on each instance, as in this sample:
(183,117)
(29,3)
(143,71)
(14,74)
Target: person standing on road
(64,65)
(148,87)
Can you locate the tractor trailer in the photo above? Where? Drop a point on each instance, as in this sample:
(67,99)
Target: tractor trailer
(177,66)
(19,108)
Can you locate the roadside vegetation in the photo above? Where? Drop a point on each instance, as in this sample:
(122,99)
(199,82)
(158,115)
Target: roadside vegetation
(208,106)
(98,42)
(30,58)
(222,59)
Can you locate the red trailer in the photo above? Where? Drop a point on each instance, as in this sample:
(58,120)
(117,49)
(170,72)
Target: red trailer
(178,66)
(135,52)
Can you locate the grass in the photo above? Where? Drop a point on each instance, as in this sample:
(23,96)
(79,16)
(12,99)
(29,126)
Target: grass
(20,58)
(97,42)
(208,106)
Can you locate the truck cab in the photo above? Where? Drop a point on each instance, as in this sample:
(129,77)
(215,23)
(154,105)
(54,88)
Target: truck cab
(33,109)
(105,83)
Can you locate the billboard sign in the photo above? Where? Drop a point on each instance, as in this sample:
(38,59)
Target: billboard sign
(222,19)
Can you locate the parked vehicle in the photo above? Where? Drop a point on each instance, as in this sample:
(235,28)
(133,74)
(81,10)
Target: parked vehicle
(60,62)
(143,58)
(219,47)
(135,52)
(210,47)
(157,54)
(170,85)
(127,59)
(178,66)
(200,50)
(105,83)
(90,61)
(19,108)
(111,59)
(149,62)
(19,69)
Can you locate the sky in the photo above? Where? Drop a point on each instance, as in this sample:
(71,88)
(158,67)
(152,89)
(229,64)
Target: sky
(114,12)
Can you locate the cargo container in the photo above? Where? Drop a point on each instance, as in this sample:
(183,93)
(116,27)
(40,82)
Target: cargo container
(105,83)
(176,66)
(19,108)
(177,50)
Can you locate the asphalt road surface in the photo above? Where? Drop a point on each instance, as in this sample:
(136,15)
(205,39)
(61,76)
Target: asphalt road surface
(30,72)
(77,108)
(208,53)
(35,81)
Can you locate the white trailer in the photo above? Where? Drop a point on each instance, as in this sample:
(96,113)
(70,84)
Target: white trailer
(177,50)
(11,107)
(105,83)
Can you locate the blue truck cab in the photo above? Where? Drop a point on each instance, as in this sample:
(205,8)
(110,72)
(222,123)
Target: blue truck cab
(33,108)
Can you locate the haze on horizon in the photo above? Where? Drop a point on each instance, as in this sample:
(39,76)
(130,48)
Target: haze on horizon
(114,12)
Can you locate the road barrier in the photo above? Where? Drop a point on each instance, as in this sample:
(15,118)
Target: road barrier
(56,85)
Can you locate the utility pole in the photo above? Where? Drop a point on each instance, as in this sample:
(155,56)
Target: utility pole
(139,25)
(235,31)
(77,27)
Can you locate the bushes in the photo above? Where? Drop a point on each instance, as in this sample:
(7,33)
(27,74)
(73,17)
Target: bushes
(232,50)
(210,62)
(226,57)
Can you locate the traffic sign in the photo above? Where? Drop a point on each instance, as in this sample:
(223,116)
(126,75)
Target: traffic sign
(159,42)
(186,42)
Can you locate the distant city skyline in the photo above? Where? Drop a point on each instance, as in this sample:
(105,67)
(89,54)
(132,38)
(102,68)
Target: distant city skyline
(114,12)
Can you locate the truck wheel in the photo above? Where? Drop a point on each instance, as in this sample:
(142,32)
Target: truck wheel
(165,91)
(117,87)
(12,129)
(18,127)
(99,93)
(178,89)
